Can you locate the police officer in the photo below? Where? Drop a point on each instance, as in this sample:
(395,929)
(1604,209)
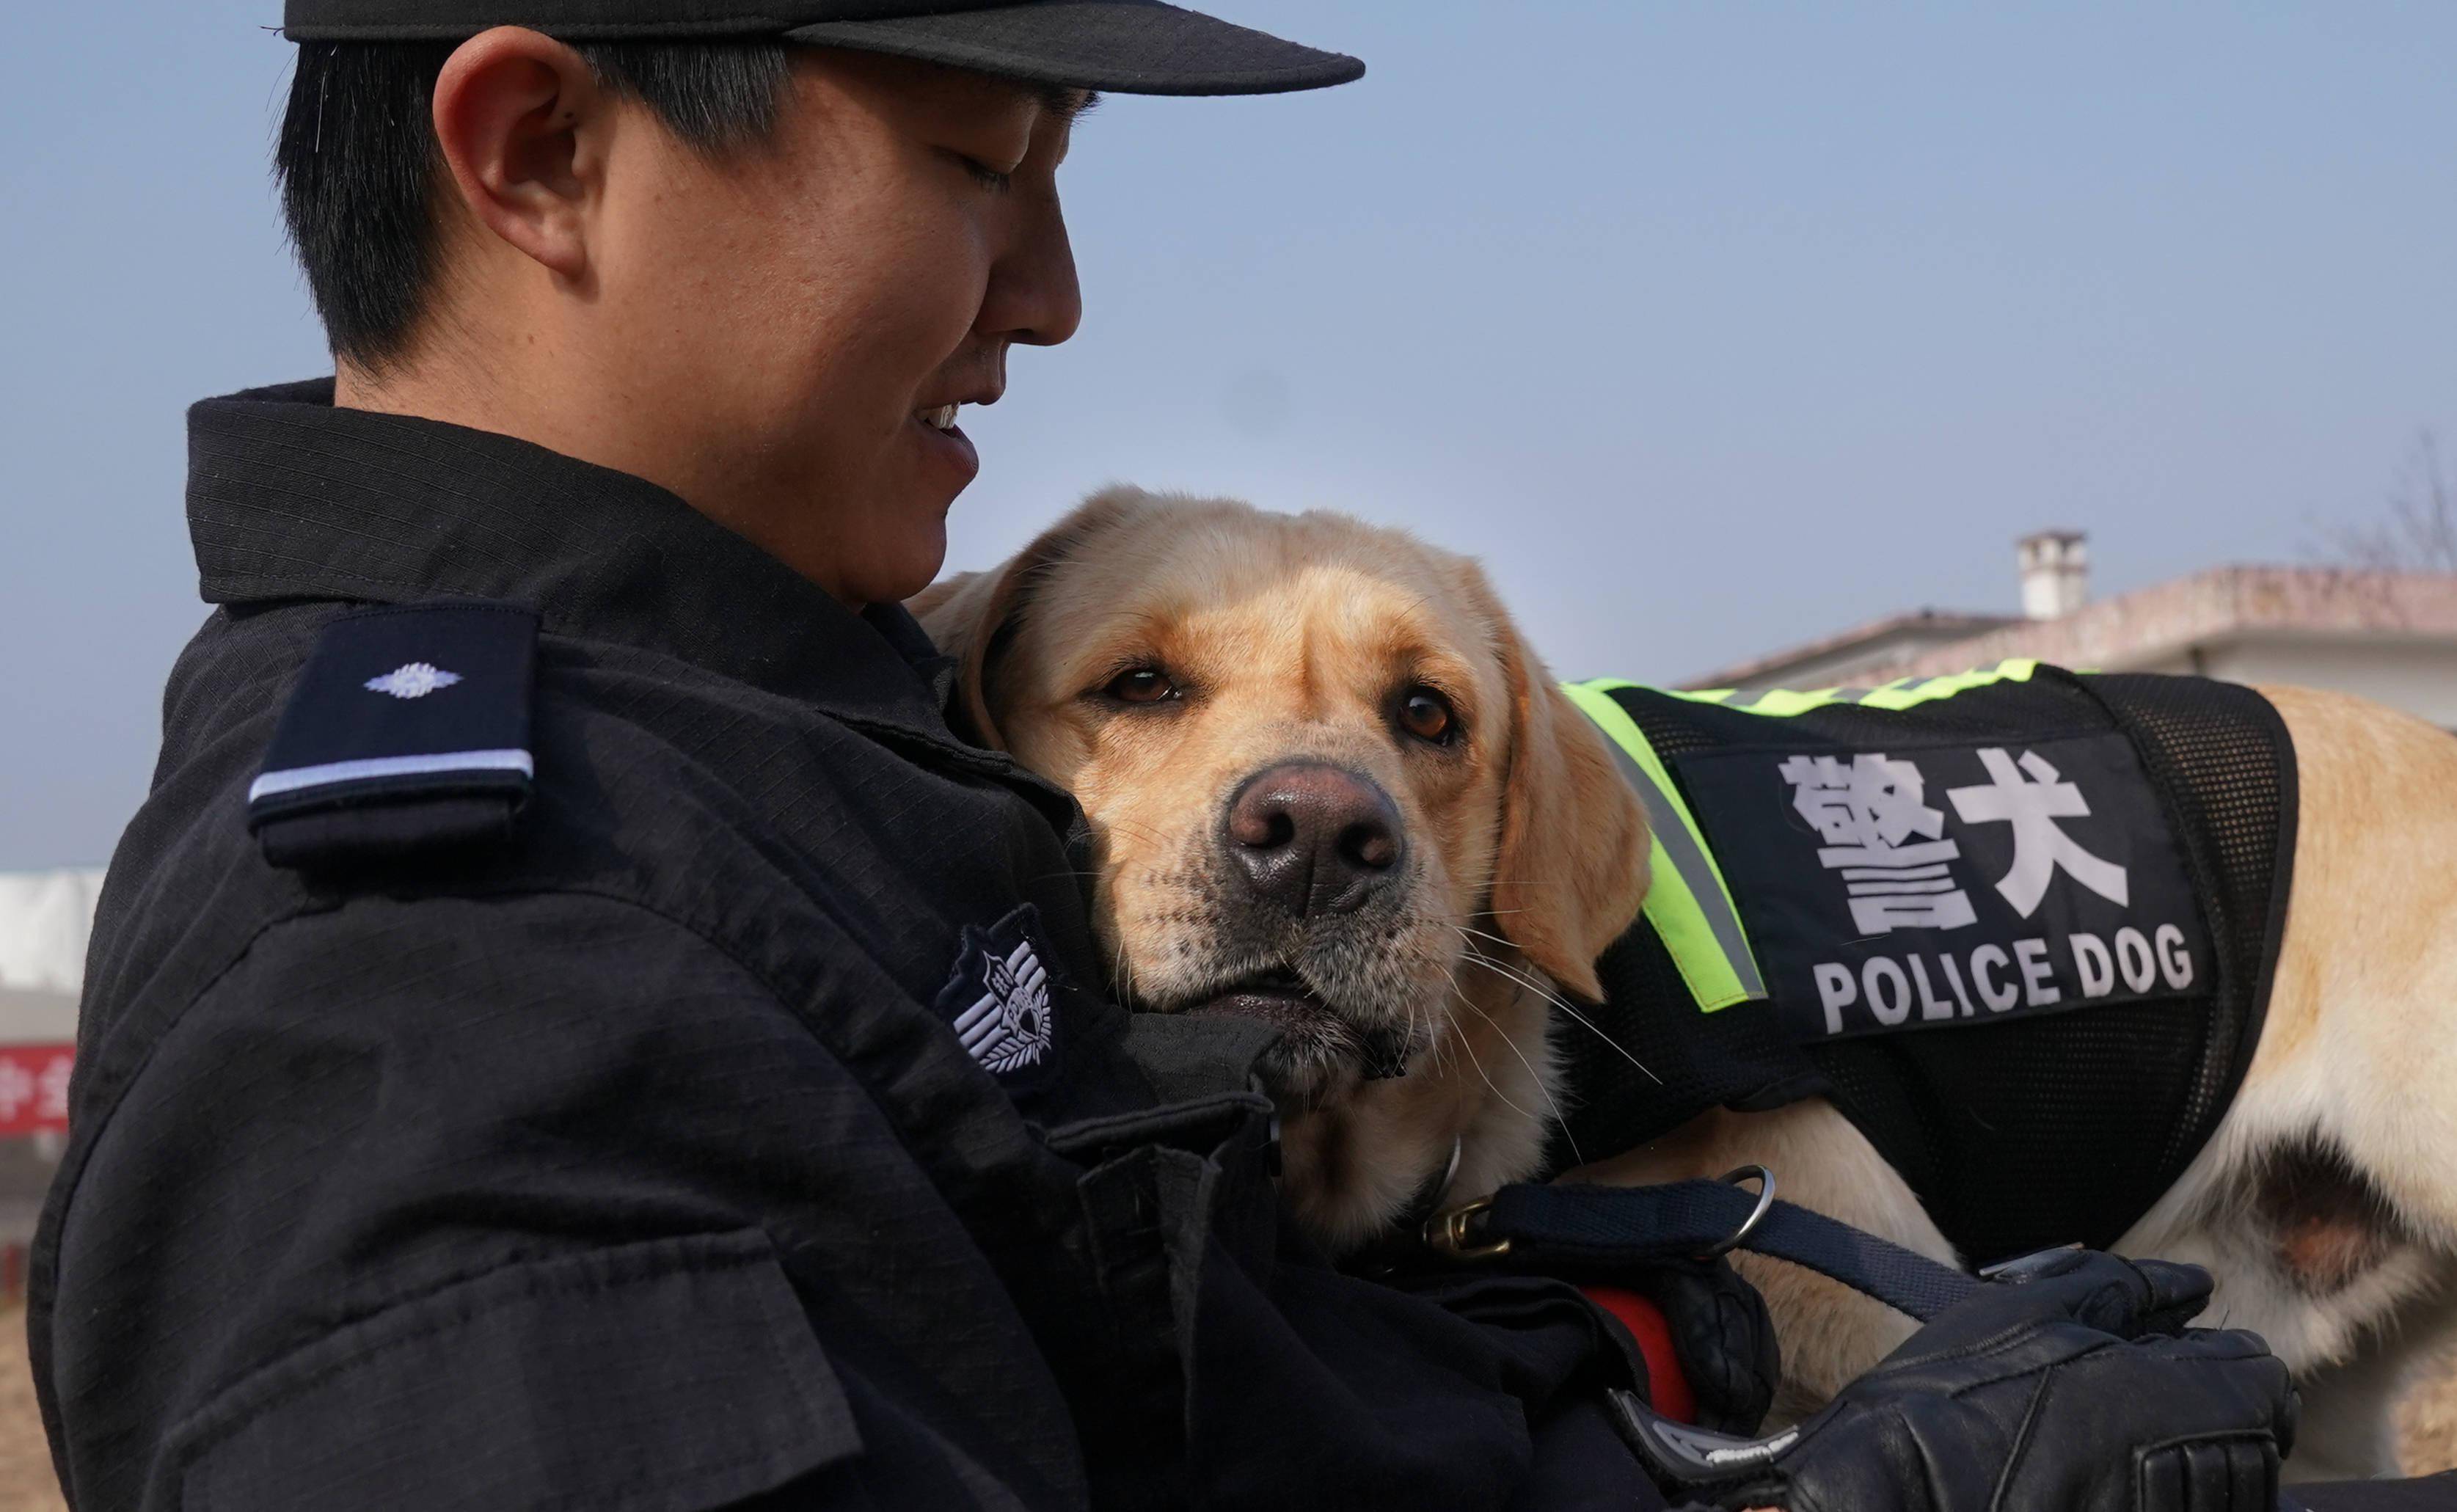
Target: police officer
(573,1026)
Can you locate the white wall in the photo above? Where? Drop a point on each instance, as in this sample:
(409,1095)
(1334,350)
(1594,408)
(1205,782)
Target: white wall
(45,917)
(2416,674)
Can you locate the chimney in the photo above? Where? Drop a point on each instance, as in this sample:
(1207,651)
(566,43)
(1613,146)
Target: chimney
(2056,573)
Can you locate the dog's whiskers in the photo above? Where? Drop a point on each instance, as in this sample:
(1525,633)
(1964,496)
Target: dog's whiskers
(1121,972)
(1451,919)
(1140,831)
(1482,935)
(1508,975)
(1560,1119)
(1478,1061)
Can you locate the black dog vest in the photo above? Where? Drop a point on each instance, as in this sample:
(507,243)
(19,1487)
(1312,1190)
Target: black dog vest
(2017,925)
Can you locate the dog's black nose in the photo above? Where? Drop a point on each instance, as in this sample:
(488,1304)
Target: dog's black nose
(1311,837)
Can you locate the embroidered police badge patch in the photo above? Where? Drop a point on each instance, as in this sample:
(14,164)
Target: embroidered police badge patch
(999,1001)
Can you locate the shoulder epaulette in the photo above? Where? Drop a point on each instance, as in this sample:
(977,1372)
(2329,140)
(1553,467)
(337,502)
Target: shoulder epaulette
(408,730)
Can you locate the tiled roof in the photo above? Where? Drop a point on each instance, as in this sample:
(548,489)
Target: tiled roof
(2132,628)
(1928,623)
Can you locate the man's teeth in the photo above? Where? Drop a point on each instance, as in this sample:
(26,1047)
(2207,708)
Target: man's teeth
(942,418)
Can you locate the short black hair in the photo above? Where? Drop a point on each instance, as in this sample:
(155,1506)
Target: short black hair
(359,164)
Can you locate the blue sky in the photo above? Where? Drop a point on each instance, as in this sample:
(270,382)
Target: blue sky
(1710,326)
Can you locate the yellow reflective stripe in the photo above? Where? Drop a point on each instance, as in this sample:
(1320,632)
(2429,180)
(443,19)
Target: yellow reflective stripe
(1903,693)
(1687,903)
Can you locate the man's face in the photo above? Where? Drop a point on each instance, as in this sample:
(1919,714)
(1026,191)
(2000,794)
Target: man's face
(806,314)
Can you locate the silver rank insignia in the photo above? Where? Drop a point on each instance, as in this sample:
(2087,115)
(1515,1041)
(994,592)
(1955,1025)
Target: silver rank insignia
(998,997)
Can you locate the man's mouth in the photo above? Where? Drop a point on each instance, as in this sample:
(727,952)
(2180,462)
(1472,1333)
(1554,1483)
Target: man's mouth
(942,437)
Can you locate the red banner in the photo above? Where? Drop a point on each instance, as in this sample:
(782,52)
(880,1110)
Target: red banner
(35,1088)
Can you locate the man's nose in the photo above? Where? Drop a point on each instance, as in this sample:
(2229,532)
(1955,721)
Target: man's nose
(1313,838)
(1034,298)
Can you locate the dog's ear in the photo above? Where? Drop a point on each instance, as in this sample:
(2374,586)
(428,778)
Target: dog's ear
(957,614)
(973,616)
(1570,870)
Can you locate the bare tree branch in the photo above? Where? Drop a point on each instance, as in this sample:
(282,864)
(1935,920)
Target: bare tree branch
(2420,532)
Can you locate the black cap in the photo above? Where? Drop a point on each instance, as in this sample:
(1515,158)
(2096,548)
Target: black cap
(1128,47)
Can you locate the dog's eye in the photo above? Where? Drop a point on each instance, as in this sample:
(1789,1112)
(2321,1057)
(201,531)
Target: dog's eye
(1426,715)
(1140,685)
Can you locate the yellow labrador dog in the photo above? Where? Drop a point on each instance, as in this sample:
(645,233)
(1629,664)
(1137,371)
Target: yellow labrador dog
(1332,787)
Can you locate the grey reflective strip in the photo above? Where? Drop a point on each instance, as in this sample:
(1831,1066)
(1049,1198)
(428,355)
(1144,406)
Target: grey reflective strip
(290,779)
(1681,849)
(1758,698)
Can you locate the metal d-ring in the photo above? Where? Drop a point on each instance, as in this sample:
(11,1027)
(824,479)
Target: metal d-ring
(1757,1214)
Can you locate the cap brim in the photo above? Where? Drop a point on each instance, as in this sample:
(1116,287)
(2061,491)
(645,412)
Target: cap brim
(1125,47)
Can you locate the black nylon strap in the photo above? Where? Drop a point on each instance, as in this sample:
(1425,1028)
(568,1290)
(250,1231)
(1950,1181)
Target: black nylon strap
(1586,1228)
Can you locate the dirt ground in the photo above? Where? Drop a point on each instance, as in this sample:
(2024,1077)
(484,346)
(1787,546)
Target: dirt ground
(26,1482)
(2428,1420)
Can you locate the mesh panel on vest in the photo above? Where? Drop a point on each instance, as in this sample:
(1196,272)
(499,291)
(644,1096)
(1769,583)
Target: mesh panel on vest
(2019,1134)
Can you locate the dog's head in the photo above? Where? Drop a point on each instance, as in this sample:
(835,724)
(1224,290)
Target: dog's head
(1330,787)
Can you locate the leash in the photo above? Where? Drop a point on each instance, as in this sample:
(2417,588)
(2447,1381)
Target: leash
(1600,1229)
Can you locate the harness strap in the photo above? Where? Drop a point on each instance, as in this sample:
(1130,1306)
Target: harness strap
(1597,1228)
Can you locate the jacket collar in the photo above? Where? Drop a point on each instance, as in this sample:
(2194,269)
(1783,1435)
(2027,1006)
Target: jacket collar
(291,498)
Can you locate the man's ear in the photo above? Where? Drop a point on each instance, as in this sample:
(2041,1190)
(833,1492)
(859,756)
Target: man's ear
(523,128)
(1571,868)
(974,616)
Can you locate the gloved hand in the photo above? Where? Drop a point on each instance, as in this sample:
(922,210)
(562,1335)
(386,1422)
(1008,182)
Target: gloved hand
(2074,1387)
(1721,1331)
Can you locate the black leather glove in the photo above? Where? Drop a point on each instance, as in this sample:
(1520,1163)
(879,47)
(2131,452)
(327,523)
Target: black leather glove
(1721,1332)
(2072,1387)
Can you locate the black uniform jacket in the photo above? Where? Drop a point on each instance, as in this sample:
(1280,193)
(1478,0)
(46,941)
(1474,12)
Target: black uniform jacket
(631,1161)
